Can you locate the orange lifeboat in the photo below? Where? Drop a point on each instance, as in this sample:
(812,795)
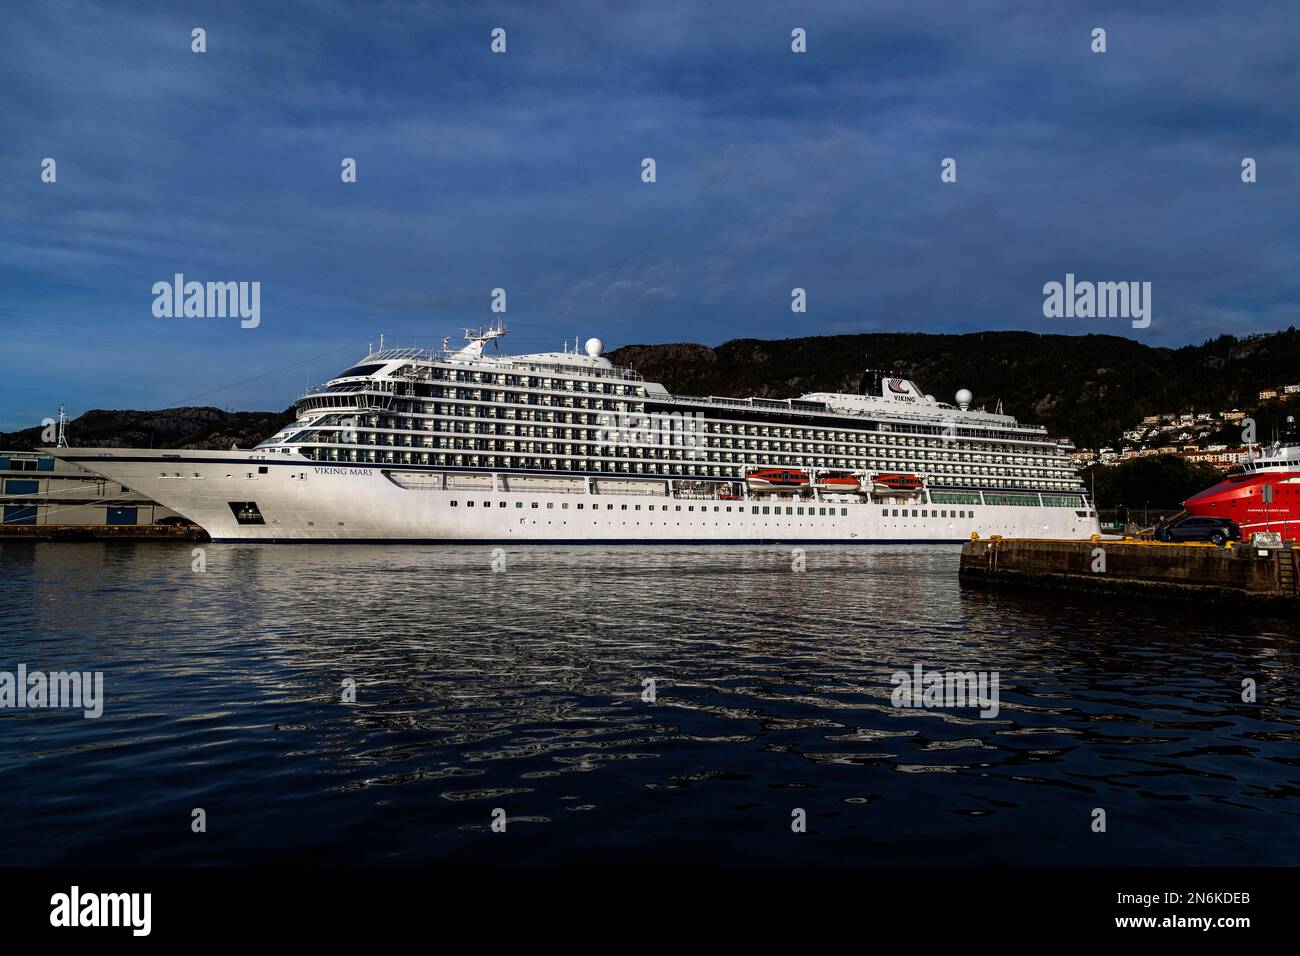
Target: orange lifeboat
(896,483)
(841,483)
(780,479)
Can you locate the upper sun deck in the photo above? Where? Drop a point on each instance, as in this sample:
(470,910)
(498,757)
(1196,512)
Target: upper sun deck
(394,360)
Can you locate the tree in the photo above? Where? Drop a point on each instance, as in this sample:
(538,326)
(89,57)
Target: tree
(1162,482)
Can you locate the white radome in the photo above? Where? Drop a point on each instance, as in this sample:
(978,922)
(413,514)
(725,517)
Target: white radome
(964,396)
(595,347)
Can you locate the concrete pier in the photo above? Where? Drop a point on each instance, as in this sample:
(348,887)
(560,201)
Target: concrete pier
(1201,572)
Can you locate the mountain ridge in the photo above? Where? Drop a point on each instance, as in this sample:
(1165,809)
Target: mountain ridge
(1088,388)
(192,427)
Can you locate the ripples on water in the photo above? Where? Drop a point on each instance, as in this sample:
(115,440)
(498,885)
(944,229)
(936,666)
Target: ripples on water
(523,690)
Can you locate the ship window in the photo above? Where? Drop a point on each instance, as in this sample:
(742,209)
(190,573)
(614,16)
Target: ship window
(519,504)
(26,514)
(550,504)
(261,469)
(754,509)
(766,510)
(623,508)
(501,504)
(453,504)
(579,505)
(844,511)
(468,504)
(565,506)
(679,508)
(534,504)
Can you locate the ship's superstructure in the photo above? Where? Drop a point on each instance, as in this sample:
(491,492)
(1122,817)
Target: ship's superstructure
(461,445)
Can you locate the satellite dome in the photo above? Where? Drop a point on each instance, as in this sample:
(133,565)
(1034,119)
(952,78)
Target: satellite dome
(595,347)
(930,399)
(964,396)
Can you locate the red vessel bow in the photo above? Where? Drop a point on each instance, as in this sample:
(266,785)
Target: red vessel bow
(1241,498)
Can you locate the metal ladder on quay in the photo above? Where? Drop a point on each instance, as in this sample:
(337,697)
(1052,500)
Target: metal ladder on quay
(1286,570)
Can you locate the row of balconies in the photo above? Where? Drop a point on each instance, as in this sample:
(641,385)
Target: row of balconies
(638,468)
(969,452)
(869,452)
(656,455)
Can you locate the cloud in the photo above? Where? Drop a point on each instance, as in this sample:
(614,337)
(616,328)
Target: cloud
(522,171)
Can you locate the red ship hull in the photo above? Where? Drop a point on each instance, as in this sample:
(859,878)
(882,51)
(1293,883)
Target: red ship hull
(1241,498)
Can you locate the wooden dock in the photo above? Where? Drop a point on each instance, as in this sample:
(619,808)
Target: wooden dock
(1239,574)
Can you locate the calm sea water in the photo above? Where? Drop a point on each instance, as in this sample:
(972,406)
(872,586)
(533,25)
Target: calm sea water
(522,690)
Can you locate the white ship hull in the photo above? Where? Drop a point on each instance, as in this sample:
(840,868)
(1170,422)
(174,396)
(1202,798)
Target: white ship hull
(301,500)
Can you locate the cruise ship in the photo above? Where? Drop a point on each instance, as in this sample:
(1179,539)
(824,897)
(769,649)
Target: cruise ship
(458,445)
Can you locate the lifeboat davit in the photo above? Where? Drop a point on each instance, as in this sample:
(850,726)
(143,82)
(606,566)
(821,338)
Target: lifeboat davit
(895,483)
(766,479)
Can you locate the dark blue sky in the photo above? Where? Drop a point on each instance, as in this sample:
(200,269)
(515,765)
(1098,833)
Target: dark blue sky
(522,171)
